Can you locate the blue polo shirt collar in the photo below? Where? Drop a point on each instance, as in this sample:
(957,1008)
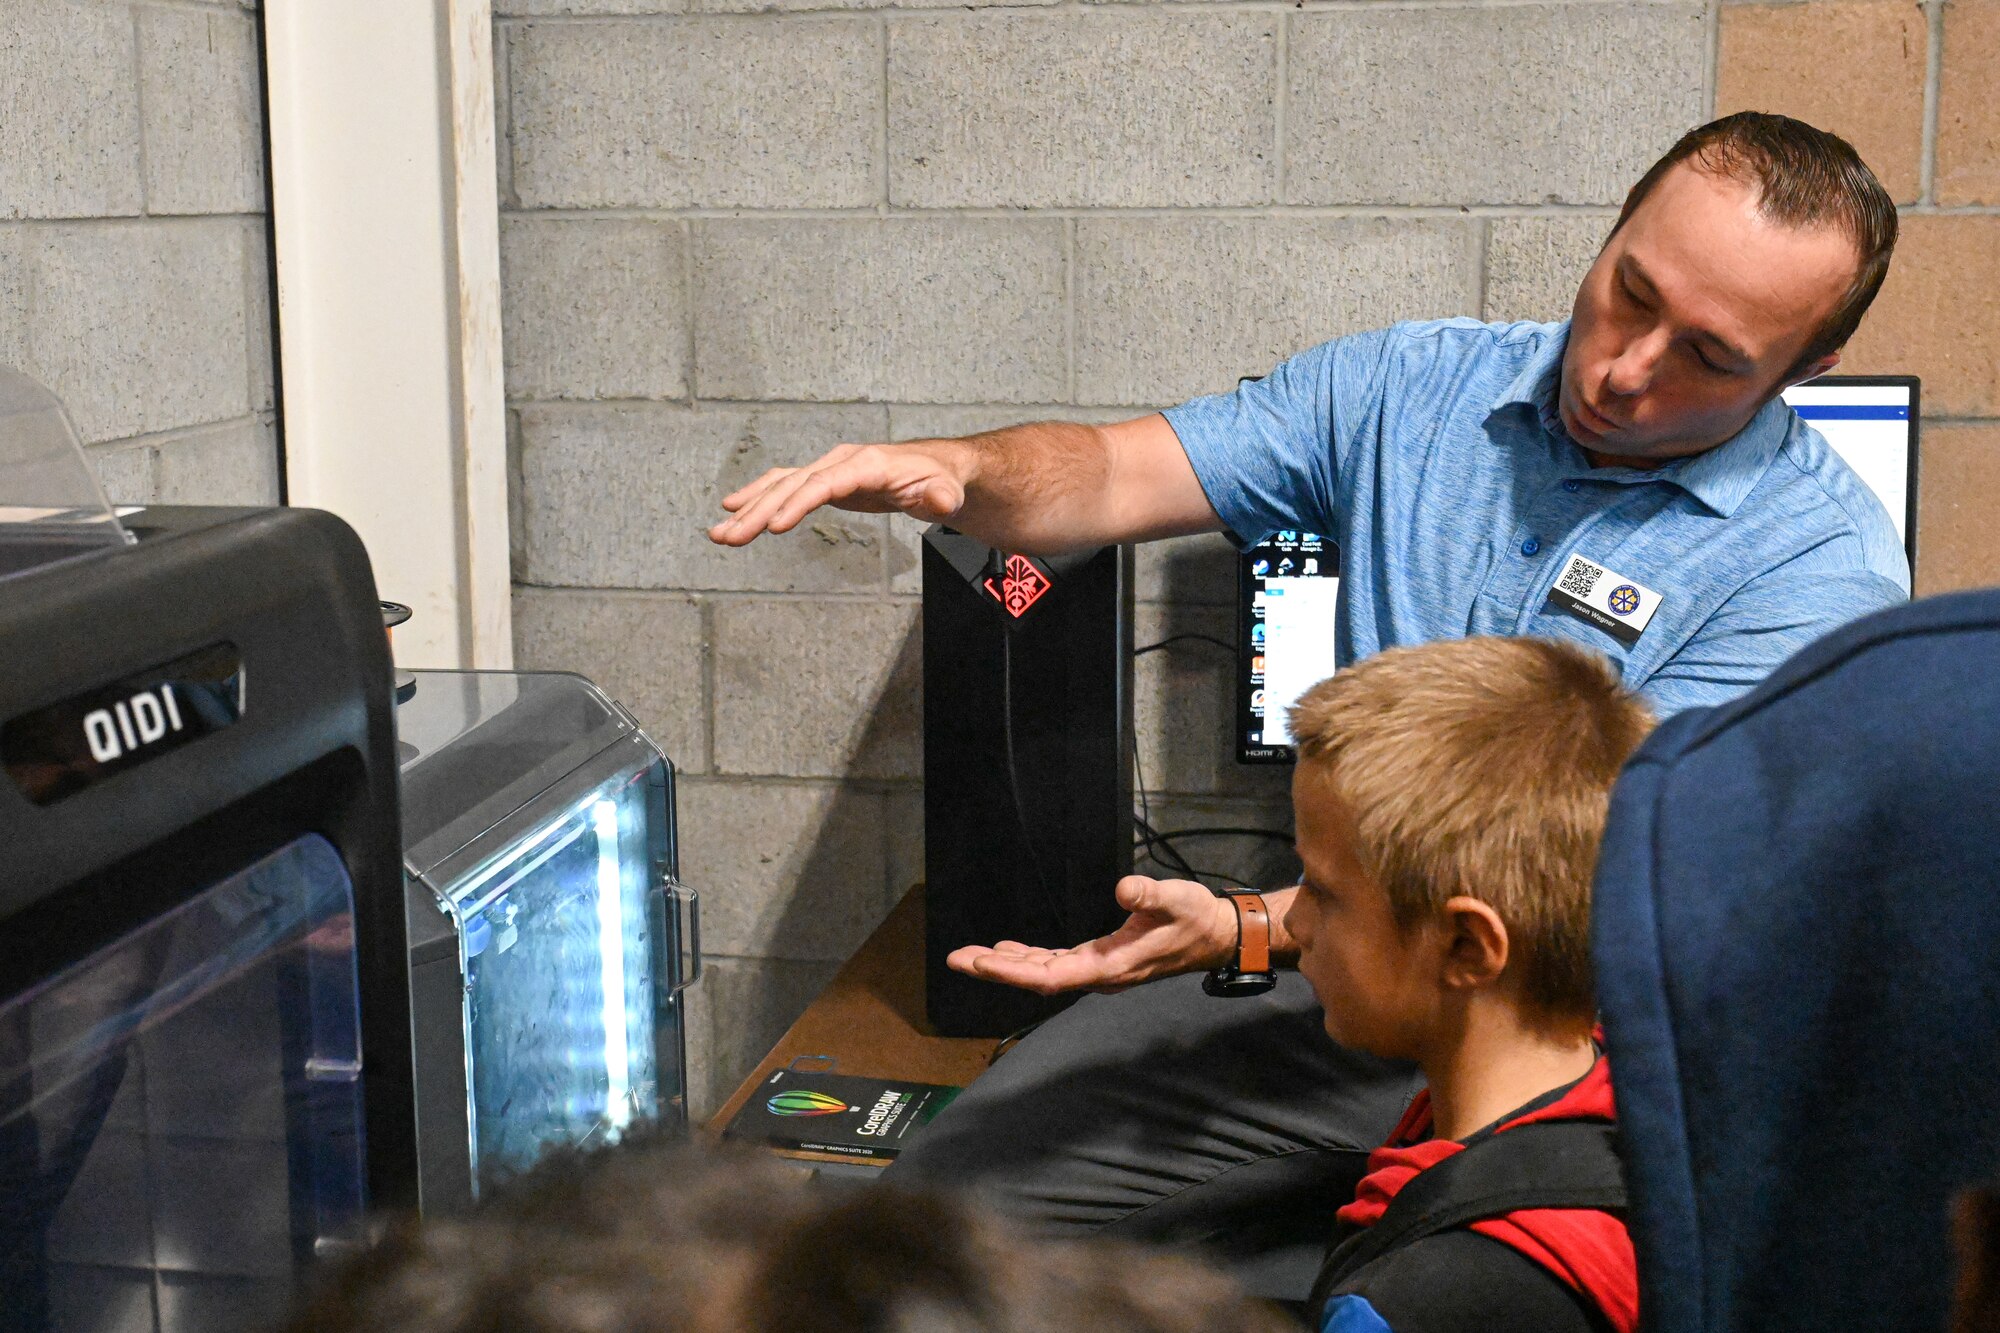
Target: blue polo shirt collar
(1535,387)
(1720,478)
(1723,477)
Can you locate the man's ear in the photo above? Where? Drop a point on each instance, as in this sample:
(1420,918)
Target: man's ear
(1811,372)
(1476,944)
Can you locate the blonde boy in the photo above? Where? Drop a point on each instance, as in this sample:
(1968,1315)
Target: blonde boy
(1449,800)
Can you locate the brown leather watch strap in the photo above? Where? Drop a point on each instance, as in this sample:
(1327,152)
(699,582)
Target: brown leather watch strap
(1253,933)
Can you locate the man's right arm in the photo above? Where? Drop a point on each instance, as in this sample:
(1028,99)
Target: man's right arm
(1261,458)
(1041,488)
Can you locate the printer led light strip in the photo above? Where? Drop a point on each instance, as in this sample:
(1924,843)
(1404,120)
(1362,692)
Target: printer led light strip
(611,953)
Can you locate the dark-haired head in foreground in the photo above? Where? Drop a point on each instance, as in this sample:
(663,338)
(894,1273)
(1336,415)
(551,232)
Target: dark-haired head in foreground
(653,1238)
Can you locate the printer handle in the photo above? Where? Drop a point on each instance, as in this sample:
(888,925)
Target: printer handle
(685,905)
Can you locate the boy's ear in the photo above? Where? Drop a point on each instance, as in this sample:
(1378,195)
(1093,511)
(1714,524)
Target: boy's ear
(1476,944)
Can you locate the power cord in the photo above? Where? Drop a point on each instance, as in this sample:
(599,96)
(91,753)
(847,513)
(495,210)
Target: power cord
(1148,835)
(1151,840)
(1160,845)
(1275,835)
(1008,1042)
(1183,638)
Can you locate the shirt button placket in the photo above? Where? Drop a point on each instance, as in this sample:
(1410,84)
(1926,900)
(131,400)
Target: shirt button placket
(1532,546)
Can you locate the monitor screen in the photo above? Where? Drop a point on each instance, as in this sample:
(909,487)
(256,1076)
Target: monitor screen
(1287,585)
(1284,636)
(1871,422)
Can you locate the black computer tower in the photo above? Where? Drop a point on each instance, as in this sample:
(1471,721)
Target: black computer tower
(1027,762)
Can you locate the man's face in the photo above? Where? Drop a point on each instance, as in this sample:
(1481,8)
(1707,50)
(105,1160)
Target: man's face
(1690,319)
(1374,979)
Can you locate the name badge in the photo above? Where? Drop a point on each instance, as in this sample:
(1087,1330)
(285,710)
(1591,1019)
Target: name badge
(1619,606)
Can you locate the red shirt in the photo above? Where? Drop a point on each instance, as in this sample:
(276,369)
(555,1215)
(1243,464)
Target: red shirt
(1584,1247)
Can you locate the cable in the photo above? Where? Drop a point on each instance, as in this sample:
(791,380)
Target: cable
(1008,1042)
(1163,850)
(1144,819)
(1160,846)
(1181,638)
(1149,838)
(1275,835)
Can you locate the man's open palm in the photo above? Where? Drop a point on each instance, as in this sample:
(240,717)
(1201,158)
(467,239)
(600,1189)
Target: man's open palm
(1176,926)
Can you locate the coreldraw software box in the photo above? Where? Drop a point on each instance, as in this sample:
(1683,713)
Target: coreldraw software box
(838,1113)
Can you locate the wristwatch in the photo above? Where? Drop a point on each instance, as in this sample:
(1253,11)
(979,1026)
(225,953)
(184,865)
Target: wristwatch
(1250,972)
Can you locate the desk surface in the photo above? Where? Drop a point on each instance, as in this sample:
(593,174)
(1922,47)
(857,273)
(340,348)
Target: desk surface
(870,1019)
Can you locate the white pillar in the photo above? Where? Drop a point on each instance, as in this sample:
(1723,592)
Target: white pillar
(386,218)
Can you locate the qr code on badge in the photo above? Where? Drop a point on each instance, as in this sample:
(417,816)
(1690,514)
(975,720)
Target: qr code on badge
(1580,578)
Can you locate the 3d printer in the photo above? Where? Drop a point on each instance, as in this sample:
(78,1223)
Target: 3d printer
(550,939)
(237,1011)
(205,1072)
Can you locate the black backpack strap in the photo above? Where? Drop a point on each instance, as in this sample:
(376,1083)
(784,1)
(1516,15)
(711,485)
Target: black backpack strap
(1551,1164)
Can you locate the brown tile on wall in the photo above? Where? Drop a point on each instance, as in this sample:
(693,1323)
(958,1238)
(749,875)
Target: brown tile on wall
(1958,542)
(1855,67)
(1935,315)
(1968,134)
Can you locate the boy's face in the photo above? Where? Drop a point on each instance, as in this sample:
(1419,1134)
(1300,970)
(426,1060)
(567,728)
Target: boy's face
(1376,980)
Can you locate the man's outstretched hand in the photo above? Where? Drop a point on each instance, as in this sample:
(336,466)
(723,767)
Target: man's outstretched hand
(926,481)
(1176,926)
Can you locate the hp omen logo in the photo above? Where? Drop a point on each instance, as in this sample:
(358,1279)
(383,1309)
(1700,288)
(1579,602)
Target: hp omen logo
(131,723)
(1021,585)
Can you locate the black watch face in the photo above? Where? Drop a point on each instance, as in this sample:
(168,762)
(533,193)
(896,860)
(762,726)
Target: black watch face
(1227,983)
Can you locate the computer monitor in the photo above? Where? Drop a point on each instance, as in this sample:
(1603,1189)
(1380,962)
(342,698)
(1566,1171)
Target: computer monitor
(1287,585)
(1286,588)
(1871,422)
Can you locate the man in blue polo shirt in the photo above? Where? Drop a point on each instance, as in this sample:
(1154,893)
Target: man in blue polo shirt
(1628,479)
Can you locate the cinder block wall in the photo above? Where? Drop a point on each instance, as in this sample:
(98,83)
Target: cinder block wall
(1911,85)
(133,245)
(738,232)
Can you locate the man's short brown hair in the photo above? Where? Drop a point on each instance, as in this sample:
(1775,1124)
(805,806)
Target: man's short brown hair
(1805,178)
(1482,767)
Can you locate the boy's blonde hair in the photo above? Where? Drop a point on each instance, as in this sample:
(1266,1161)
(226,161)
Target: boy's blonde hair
(1482,767)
